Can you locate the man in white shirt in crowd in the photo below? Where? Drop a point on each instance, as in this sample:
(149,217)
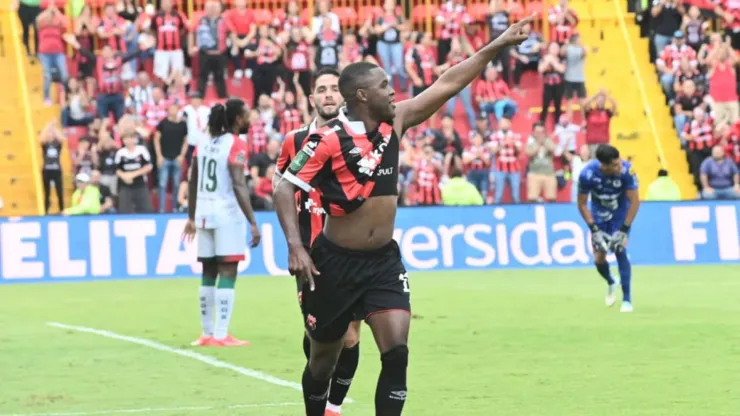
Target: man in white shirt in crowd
(196,116)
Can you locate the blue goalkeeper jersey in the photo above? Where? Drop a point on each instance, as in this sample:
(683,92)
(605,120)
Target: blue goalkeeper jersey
(609,203)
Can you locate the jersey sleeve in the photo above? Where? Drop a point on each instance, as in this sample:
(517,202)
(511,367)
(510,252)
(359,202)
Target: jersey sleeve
(286,153)
(145,156)
(630,178)
(238,152)
(305,169)
(584,181)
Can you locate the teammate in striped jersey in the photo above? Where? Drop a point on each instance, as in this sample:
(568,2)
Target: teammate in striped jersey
(326,99)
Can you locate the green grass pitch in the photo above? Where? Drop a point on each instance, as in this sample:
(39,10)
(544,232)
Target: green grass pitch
(519,343)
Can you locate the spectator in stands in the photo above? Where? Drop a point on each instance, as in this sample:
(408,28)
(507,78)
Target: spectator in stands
(577,163)
(483,127)
(106,197)
(110,84)
(720,177)
(527,54)
(667,17)
(263,190)
(453,17)
(541,176)
(268,56)
(84,31)
(687,100)
(182,193)
(51,173)
(426,177)
(28,11)
(565,136)
(730,139)
(670,58)
(574,54)
(196,116)
(460,50)
(297,59)
(177,88)
(695,26)
(506,147)
(663,188)
(242,29)
(133,163)
(351,51)
(269,116)
(498,18)
(75,104)
(729,12)
(723,85)
(420,62)
(260,162)
(140,94)
(52,25)
(688,72)
(388,27)
(209,42)
(552,69)
(86,157)
(715,41)
(171,146)
(598,118)
(169,26)
(493,96)
(477,161)
(447,143)
(107,164)
(324,19)
(112,31)
(156,110)
(86,198)
(458,191)
(563,21)
(698,136)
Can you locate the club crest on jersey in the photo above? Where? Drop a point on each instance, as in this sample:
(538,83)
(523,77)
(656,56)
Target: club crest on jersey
(299,161)
(617,183)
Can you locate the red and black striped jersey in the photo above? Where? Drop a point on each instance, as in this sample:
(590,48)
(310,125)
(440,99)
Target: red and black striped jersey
(311,212)
(347,164)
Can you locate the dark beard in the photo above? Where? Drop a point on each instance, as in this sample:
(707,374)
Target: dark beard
(327,116)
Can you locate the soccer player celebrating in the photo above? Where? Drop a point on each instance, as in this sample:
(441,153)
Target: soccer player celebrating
(612,185)
(218,202)
(353,162)
(326,99)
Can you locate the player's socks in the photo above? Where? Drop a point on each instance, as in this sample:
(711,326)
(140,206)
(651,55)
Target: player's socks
(207,300)
(347,364)
(306,345)
(625,275)
(315,393)
(603,269)
(224,306)
(390,395)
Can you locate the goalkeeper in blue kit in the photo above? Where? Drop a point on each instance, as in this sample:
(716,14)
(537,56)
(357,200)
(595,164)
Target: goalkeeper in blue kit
(612,185)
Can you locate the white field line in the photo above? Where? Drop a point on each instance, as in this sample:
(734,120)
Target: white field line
(157,410)
(205,359)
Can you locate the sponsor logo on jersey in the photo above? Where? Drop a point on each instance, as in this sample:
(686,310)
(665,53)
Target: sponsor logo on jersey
(313,208)
(370,161)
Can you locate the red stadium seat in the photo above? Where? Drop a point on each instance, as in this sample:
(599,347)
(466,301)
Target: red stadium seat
(195,18)
(262,16)
(420,12)
(478,11)
(534,7)
(306,16)
(346,15)
(368,12)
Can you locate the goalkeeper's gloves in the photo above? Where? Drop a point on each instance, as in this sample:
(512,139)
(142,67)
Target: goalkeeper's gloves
(599,239)
(619,238)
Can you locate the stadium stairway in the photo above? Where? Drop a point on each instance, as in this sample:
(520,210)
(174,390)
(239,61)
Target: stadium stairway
(21,110)
(643,129)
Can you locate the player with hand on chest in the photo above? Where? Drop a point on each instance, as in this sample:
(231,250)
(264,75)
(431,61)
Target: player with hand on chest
(355,268)
(613,188)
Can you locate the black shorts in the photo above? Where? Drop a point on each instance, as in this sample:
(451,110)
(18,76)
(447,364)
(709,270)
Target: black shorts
(575,89)
(353,285)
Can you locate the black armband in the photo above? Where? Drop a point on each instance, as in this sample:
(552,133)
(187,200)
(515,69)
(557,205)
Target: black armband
(594,228)
(624,228)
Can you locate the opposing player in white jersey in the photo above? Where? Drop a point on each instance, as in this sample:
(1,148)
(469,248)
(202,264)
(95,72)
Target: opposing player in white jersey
(218,202)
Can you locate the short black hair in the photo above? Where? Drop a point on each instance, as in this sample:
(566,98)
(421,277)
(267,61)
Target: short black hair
(354,77)
(223,116)
(321,72)
(455,172)
(606,153)
(662,172)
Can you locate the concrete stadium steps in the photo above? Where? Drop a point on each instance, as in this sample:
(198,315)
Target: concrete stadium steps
(20,185)
(610,66)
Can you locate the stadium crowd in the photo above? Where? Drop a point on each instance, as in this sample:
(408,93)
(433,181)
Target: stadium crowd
(697,68)
(136,95)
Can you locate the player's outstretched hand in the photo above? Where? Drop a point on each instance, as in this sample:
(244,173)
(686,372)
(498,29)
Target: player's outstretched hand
(301,266)
(514,34)
(256,237)
(189,232)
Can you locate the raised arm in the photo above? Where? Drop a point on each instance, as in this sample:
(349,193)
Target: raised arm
(412,112)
